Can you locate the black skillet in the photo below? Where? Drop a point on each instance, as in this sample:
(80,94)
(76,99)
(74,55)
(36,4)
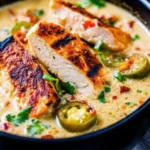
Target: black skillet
(111,138)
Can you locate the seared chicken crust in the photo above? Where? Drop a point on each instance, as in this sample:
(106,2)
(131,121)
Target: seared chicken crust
(71,58)
(73,19)
(25,74)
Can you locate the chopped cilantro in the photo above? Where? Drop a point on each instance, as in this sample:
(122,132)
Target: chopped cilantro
(20,118)
(135,37)
(49,78)
(131,104)
(60,87)
(107,89)
(101,97)
(88,3)
(39,12)
(36,128)
(68,88)
(99,45)
(79,5)
(119,76)
(139,91)
(98,3)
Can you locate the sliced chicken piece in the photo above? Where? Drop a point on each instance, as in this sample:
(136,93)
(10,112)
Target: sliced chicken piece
(23,74)
(68,57)
(88,27)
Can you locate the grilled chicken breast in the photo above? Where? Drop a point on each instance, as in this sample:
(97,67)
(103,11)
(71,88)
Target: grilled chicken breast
(24,76)
(88,27)
(68,57)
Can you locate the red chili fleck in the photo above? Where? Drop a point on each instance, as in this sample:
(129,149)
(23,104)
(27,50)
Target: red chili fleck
(124,89)
(47,137)
(88,24)
(114,97)
(83,101)
(92,111)
(72,97)
(11,12)
(148,54)
(101,17)
(138,48)
(5,126)
(131,23)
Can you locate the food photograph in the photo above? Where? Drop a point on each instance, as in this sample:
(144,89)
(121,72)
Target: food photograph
(75,74)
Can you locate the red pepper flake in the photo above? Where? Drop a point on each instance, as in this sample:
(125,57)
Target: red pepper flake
(131,23)
(101,17)
(138,48)
(148,54)
(72,97)
(47,137)
(124,89)
(11,12)
(5,126)
(114,97)
(88,24)
(92,111)
(83,101)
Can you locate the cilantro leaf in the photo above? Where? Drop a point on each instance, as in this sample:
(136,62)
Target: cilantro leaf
(139,91)
(98,3)
(88,3)
(20,118)
(119,76)
(99,45)
(57,84)
(135,37)
(61,87)
(68,87)
(39,12)
(131,104)
(49,78)
(107,89)
(101,97)
(36,128)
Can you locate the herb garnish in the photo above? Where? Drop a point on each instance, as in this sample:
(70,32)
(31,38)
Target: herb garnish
(88,3)
(99,45)
(135,37)
(22,116)
(139,91)
(101,97)
(49,78)
(61,87)
(68,87)
(36,128)
(107,89)
(39,12)
(119,76)
(131,104)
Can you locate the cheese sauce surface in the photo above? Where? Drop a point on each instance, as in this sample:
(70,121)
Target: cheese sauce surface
(118,105)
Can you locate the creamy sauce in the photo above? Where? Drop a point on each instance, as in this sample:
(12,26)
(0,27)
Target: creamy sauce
(108,113)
